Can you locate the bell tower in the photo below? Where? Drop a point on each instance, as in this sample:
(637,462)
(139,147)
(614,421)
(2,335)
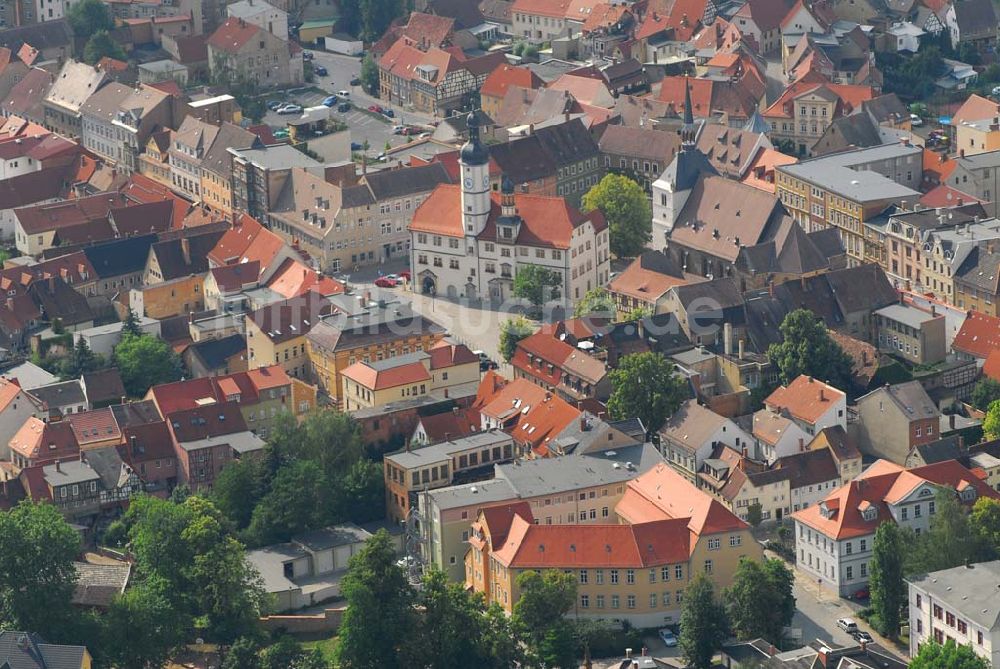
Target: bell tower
(474,160)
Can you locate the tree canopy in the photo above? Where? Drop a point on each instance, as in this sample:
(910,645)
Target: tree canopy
(703,623)
(626,207)
(546,597)
(102,45)
(888,590)
(991,424)
(596,302)
(369,75)
(145,361)
(536,284)
(933,655)
(645,386)
(985,393)
(760,603)
(807,348)
(88,17)
(512,331)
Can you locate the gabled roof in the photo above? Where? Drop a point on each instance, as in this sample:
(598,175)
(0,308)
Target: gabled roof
(529,413)
(505,76)
(291,318)
(75,83)
(174,261)
(25,98)
(245,241)
(27,650)
(805,398)
(649,277)
(121,256)
(47,217)
(43,442)
(216,353)
(692,425)
(233,35)
(766,14)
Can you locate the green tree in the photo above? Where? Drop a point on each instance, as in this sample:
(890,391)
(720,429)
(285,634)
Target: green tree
(299,500)
(379,622)
(100,45)
(933,655)
(536,284)
(626,207)
(88,17)
(986,392)
(558,647)
(645,386)
(80,360)
(360,494)
(512,331)
(991,424)
(242,655)
(984,522)
(369,76)
(376,16)
(37,575)
(143,627)
(760,603)
(501,639)
(596,302)
(637,314)
(703,623)
(885,581)
(949,541)
(755,514)
(807,348)
(144,362)
(545,598)
(238,489)
(351,21)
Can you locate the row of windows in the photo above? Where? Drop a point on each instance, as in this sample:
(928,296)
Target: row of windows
(630,600)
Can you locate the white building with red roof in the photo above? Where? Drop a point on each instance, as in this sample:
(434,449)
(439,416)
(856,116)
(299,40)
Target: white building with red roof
(241,49)
(468,241)
(833,539)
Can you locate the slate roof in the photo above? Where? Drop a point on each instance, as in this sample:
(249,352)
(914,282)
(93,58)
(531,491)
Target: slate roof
(98,584)
(170,254)
(41,36)
(103,385)
(36,654)
(122,256)
(215,353)
(975,16)
(389,184)
(56,299)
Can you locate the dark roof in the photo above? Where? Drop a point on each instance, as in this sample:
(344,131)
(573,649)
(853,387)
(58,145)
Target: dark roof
(25,189)
(981,269)
(975,15)
(60,394)
(98,584)
(292,318)
(145,218)
(624,72)
(170,254)
(764,316)
(686,168)
(136,413)
(42,36)
(567,142)
(203,422)
(723,292)
(885,108)
(949,448)
(389,184)
(217,159)
(104,385)
(828,242)
(523,160)
(856,130)
(145,442)
(121,256)
(25,650)
(56,299)
(861,288)
(214,353)
(466,13)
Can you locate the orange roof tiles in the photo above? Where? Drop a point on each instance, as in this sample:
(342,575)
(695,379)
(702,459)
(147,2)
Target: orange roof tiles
(232,35)
(562,9)
(246,241)
(530,546)
(293,278)
(663,493)
(42,443)
(805,398)
(265,378)
(10,390)
(946,196)
(505,76)
(193,393)
(444,354)
(937,166)
(603,15)
(528,412)
(991,367)
(849,96)
(369,377)
(975,108)
(94,426)
(645,284)
(761,172)
(979,335)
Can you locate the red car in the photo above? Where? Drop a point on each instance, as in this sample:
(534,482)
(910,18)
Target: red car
(376,109)
(862,594)
(385,282)
(405,274)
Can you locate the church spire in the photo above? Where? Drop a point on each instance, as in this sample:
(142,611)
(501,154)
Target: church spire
(688,130)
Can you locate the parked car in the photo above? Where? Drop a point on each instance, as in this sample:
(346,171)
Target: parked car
(863,593)
(668,637)
(916,121)
(355,82)
(289,109)
(410,131)
(389,113)
(485,364)
(375,109)
(320,70)
(281,133)
(357,146)
(405,275)
(344,94)
(330,101)
(398,129)
(848,625)
(273,105)
(385,282)
(307,55)
(424,135)
(996,90)
(344,107)
(863,637)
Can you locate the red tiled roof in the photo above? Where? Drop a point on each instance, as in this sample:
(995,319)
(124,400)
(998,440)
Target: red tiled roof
(991,367)
(194,424)
(979,335)
(975,108)
(169,86)
(528,412)
(245,242)
(97,425)
(562,9)
(531,546)
(293,278)
(451,424)
(850,96)
(604,15)
(444,354)
(766,14)
(805,398)
(946,196)
(201,392)
(152,442)
(709,96)
(46,217)
(43,443)
(232,35)
(236,277)
(882,483)
(662,493)
(684,17)
(392,377)
(546,221)
(505,76)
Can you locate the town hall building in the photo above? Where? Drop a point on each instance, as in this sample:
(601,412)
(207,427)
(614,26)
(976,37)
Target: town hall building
(470,241)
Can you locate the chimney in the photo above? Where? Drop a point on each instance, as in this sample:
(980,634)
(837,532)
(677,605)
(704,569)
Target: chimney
(133,443)
(58,466)
(10,303)
(727,338)
(584,425)
(190,317)
(186,250)
(960,202)
(741,348)
(951,421)
(822,394)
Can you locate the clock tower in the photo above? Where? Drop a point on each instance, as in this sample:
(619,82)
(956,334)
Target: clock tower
(474,160)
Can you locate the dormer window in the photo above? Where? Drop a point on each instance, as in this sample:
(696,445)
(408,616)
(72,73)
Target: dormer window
(869,514)
(966,493)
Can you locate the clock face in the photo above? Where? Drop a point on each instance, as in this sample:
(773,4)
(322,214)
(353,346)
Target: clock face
(468,182)
(486,181)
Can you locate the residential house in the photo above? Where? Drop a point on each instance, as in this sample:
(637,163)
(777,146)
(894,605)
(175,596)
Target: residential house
(500,80)
(815,653)
(446,369)
(761,20)
(571,372)
(189,144)
(978,336)
(258,172)
(912,334)
(544,20)
(118,121)
(375,332)
(812,404)
(644,284)
(241,49)
(807,108)
(206,439)
(217,167)
(977,279)
(27,649)
(977,175)
(895,419)
(692,434)
(72,86)
(154,161)
(26,98)
(276,334)
(262,14)
(216,357)
(38,443)
(834,539)
(956,604)
(971,22)
(709,312)
(638,153)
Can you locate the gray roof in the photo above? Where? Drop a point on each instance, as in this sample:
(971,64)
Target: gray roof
(483,492)
(276,156)
(29,375)
(544,476)
(60,394)
(971,591)
(684,170)
(331,537)
(269,563)
(389,184)
(25,650)
(108,464)
(910,397)
(975,15)
(978,161)
(949,448)
(692,425)
(443,451)
(836,172)
(906,315)
(75,83)
(69,473)
(99,584)
(241,442)
(247,8)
